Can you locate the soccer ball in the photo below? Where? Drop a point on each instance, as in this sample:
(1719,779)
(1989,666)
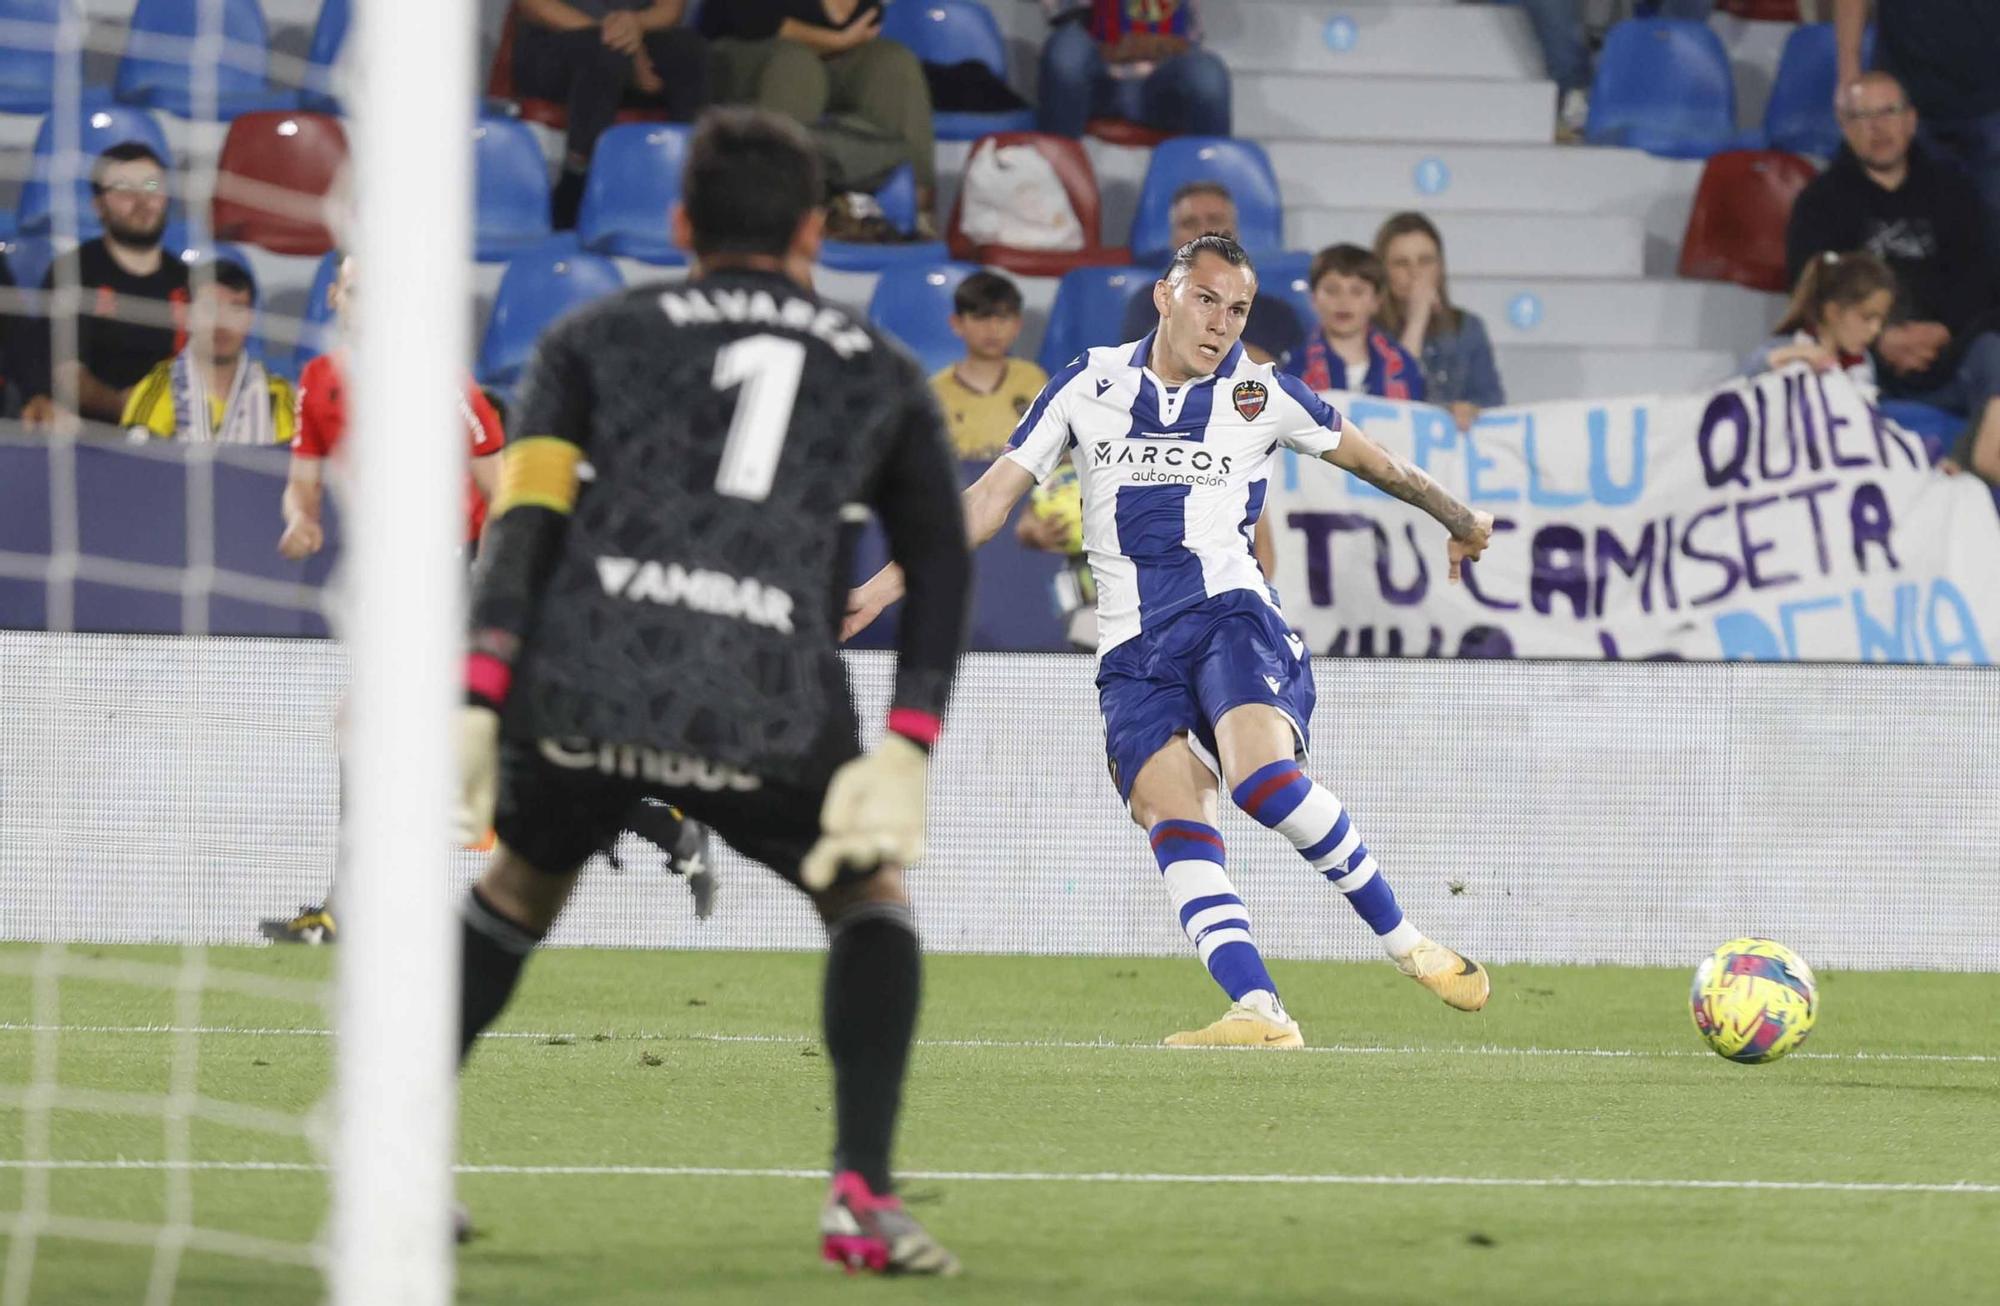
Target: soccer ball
(1060,499)
(1754,1000)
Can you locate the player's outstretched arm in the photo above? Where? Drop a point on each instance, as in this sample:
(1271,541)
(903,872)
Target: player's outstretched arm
(1470,530)
(988,502)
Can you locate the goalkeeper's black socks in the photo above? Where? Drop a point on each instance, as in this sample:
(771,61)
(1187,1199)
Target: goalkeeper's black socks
(495,950)
(873,981)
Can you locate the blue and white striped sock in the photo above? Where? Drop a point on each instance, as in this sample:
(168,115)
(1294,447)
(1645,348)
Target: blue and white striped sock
(1191,859)
(1287,800)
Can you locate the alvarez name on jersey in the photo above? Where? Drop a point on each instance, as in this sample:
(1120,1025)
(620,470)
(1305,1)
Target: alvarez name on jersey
(1173,477)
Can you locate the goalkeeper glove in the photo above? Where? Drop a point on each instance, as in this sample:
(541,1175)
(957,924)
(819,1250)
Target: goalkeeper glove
(874,813)
(478,770)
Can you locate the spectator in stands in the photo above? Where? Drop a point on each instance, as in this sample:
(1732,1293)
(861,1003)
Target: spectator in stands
(1565,47)
(598,56)
(1198,209)
(1450,344)
(1885,193)
(137,291)
(1138,62)
(823,63)
(211,392)
(985,394)
(1944,52)
(1351,351)
(1835,317)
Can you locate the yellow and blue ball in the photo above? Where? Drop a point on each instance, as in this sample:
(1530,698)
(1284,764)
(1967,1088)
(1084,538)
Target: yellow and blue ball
(1754,1000)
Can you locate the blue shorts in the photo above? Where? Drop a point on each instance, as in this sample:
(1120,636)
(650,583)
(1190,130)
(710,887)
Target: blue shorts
(1181,678)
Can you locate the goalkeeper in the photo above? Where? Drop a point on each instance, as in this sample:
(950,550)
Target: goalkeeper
(655,609)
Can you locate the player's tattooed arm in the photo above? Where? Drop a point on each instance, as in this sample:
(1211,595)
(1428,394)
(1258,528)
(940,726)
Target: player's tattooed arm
(1397,476)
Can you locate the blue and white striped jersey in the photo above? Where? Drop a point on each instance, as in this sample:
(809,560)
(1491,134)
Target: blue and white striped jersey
(1173,478)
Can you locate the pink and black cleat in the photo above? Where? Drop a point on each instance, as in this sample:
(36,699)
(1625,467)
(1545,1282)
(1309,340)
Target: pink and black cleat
(863,1233)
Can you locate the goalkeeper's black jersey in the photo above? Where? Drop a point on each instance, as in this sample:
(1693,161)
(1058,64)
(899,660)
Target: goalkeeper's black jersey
(734,433)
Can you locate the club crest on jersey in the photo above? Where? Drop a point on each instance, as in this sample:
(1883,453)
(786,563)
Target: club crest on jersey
(1249,398)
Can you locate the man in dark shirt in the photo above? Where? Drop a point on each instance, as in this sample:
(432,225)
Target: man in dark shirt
(1886,194)
(1945,53)
(1202,208)
(655,613)
(132,295)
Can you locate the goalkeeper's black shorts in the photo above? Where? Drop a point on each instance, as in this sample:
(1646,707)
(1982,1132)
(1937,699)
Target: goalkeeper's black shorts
(559,804)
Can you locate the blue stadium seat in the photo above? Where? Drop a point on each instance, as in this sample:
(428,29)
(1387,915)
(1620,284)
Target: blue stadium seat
(947,32)
(1663,85)
(511,186)
(329,34)
(539,286)
(913,305)
(316,318)
(101,124)
(1283,276)
(635,178)
(898,198)
(1240,165)
(27,57)
(157,71)
(1799,116)
(1088,311)
(1938,429)
(28,259)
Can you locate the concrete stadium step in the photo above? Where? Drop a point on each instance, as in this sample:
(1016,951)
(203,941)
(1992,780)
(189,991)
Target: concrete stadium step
(1492,41)
(1496,178)
(1497,244)
(1656,314)
(1330,105)
(1536,374)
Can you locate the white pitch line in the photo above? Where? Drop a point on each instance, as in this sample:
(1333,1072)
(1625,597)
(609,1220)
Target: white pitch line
(1961,1189)
(1030,1045)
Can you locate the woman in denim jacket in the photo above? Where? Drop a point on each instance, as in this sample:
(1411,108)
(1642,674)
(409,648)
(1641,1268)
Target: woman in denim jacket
(1450,343)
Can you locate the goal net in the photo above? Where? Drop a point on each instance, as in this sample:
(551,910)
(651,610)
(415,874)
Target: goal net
(201,1120)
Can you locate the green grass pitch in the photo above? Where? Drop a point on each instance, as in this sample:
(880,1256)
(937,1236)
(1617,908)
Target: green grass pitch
(1336,1174)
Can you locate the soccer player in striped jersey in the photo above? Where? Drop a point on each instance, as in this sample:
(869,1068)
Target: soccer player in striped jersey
(1200,680)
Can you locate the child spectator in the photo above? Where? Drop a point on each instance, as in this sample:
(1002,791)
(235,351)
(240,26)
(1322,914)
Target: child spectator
(1451,344)
(985,393)
(1350,351)
(210,392)
(1133,61)
(1837,311)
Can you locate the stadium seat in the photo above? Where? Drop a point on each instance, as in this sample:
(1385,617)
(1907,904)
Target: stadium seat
(157,71)
(27,55)
(1736,230)
(946,32)
(101,123)
(511,186)
(28,259)
(1799,115)
(316,318)
(539,286)
(329,34)
(898,198)
(1079,181)
(1283,276)
(1123,131)
(1088,311)
(913,303)
(1938,429)
(635,178)
(1763,11)
(1238,164)
(1663,85)
(274,173)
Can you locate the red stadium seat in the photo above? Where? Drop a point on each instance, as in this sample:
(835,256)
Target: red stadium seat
(1079,181)
(275,172)
(500,86)
(1737,229)
(1766,11)
(1119,131)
